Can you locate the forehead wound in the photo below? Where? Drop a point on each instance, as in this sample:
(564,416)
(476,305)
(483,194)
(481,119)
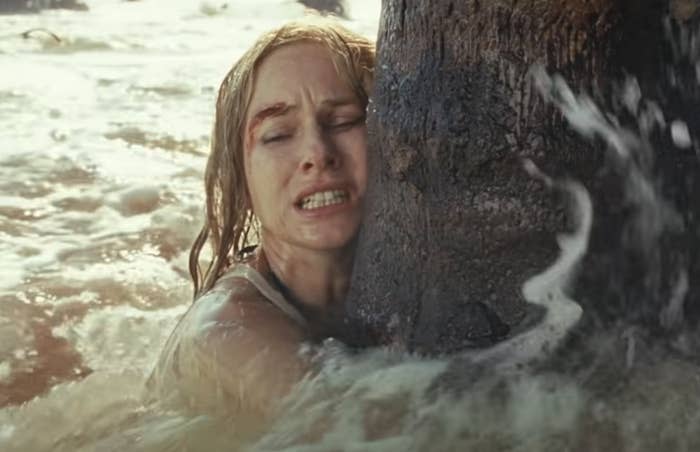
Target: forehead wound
(266,112)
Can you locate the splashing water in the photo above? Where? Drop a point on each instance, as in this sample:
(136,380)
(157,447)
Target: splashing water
(102,251)
(631,153)
(499,398)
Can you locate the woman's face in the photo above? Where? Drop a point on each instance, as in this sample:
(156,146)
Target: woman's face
(305,150)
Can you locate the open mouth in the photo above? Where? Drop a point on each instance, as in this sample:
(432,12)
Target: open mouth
(323,199)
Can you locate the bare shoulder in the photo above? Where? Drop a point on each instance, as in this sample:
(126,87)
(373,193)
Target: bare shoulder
(233,349)
(238,305)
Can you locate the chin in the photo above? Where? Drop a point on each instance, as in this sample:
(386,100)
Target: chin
(331,240)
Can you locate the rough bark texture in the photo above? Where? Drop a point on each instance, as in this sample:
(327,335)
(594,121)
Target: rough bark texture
(454,224)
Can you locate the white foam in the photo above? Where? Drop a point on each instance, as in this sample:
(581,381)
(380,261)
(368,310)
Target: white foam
(5,371)
(6,432)
(547,289)
(119,337)
(680,134)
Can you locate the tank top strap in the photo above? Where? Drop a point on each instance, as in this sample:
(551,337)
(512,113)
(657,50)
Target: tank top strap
(250,274)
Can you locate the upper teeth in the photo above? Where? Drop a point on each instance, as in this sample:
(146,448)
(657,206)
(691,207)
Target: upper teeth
(323,198)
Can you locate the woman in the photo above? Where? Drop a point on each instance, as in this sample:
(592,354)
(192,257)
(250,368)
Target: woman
(287,167)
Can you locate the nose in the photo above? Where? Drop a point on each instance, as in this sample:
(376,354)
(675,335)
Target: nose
(319,151)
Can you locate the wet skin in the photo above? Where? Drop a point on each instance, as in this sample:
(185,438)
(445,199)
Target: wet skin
(304,135)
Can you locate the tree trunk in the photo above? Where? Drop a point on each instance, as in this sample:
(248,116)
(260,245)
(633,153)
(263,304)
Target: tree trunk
(454,225)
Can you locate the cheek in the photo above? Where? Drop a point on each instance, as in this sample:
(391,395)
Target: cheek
(360,155)
(267,178)
(256,187)
(253,185)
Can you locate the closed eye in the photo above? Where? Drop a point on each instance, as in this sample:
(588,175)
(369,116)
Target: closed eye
(345,124)
(275,138)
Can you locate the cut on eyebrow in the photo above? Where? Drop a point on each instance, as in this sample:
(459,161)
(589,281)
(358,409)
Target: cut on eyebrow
(275,109)
(280,108)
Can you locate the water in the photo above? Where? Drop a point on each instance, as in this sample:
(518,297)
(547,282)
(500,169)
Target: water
(104,139)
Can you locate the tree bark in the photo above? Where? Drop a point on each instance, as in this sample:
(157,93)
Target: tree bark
(454,225)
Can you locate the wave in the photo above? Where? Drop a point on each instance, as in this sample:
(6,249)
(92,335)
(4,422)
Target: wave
(140,137)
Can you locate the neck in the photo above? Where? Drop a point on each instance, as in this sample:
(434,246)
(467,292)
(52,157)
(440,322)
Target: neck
(315,280)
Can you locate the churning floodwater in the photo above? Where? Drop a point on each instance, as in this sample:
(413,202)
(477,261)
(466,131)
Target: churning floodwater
(103,142)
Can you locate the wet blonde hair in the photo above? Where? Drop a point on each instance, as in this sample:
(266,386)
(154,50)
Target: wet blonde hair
(230,224)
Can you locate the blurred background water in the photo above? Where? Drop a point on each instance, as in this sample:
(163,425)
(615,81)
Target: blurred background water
(103,141)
